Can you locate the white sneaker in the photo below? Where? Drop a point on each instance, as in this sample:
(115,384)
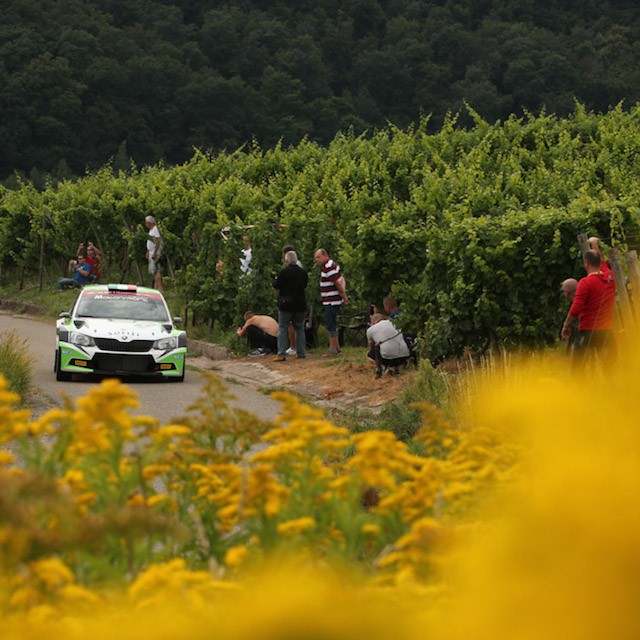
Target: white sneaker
(290,351)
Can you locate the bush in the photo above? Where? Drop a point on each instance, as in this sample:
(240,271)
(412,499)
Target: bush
(114,525)
(402,418)
(15,362)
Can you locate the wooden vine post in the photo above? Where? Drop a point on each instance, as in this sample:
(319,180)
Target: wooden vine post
(622,294)
(583,241)
(634,278)
(41,266)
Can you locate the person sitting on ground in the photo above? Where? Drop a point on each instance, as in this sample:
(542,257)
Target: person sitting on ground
(387,347)
(261,332)
(81,271)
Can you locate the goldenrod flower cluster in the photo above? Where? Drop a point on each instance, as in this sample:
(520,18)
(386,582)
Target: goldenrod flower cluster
(516,520)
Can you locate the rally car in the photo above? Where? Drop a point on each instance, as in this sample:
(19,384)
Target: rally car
(117,329)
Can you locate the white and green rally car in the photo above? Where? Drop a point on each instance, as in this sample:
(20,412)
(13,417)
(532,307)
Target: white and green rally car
(120,329)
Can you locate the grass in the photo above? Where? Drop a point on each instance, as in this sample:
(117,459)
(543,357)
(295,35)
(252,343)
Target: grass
(50,302)
(16,363)
(229,338)
(267,391)
(348,354)
(355,419)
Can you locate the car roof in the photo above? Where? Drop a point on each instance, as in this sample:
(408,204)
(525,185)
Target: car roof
(108,287)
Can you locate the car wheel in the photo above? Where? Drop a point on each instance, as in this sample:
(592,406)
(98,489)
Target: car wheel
(61,376)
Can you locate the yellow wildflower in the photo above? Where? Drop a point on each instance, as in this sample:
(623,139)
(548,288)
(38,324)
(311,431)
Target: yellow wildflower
(73,477)
(161,498)
(52,572)
(6,458)
(153,470)
(294,527)
(166,584)
(136,500)
(235,556)
(381,459)
(370,529)
(169,431)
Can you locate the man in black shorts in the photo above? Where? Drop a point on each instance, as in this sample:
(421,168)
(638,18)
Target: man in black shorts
(261,332)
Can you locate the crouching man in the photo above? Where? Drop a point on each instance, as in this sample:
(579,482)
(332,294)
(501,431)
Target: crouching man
(387,347)
(261,332)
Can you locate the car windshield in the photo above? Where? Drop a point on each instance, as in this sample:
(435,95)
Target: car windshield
(122,306)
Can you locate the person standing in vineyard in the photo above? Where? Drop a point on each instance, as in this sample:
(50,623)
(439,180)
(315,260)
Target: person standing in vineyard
(333,295)
(593,307)
(292,305)
(247,254)
(291,351)
(568,290)
(154,251)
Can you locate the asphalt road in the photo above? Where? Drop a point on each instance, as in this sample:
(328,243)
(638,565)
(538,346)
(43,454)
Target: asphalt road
(164,400)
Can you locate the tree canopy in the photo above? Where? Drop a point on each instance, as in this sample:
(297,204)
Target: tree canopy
(83,81)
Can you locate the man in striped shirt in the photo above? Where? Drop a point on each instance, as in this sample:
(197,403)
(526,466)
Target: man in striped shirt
(333,294)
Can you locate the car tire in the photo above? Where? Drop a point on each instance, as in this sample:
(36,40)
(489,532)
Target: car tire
(61,376)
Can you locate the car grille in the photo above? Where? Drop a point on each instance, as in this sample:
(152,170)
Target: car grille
(135,346)
(125,364)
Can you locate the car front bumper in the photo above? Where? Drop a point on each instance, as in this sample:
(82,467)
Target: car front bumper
(154,363)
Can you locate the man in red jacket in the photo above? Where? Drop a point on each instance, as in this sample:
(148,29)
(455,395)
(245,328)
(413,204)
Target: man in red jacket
(593,307)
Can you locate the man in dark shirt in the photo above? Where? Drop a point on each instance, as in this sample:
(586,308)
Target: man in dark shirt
(292,305)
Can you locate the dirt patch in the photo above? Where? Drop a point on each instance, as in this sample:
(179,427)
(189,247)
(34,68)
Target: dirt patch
(338,381)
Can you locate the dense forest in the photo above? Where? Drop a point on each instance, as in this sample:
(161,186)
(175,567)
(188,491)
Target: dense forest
(85,81)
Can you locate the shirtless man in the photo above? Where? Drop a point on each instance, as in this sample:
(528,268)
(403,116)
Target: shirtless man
(261,332)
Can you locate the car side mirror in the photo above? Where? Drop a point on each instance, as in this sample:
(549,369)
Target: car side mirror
(64,314)
(177,320)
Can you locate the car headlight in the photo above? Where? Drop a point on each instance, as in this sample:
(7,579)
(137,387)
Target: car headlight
(164,344)
(82,340)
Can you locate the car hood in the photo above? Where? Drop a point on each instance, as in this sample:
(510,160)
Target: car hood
(124,330)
